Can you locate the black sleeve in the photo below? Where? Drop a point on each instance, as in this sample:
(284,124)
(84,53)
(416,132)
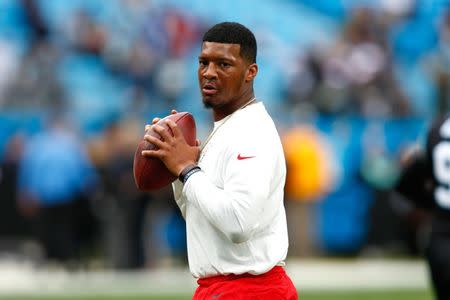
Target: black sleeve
(415,182)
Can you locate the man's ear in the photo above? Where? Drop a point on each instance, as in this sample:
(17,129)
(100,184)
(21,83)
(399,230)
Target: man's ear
(252,70)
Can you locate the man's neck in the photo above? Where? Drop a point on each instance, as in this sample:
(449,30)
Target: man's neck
(219,114)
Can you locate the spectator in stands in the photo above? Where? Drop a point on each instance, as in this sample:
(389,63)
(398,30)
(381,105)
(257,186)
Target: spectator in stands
(55,176)
(355,74)
(12,224)
(438,63)
(36,85)
(120,206)
(86,34)
(303,87)
(9,65)
(35,21)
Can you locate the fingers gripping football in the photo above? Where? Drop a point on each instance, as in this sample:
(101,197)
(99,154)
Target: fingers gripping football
(149,170)
(172,149)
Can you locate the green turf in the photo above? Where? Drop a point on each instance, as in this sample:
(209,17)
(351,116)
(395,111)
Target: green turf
(354,295)
(367,295)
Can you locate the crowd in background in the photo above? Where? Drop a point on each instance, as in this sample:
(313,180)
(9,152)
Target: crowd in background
(80,79)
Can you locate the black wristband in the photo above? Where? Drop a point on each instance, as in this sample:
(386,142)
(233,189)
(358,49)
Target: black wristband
(187,172)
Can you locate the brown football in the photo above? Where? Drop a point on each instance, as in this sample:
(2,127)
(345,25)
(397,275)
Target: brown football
(151,173)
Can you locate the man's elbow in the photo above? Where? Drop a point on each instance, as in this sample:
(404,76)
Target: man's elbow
(239,237)
(243,235)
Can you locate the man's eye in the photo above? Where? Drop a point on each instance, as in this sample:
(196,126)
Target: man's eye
(202,63)
(224,65)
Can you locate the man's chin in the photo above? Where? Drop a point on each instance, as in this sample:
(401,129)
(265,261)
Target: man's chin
(207,102)
(212,102)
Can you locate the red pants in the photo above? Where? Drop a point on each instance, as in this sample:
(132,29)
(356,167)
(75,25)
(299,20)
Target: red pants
(273,285)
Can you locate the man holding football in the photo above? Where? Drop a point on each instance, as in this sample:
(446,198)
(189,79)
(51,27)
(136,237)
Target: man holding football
(230,190)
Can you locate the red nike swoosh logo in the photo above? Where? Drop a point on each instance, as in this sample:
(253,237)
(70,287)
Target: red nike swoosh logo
(244,157)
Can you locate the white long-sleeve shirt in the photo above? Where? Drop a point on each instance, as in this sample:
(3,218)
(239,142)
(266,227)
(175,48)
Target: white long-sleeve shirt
(235,217)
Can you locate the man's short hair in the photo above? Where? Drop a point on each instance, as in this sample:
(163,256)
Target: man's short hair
(233,33)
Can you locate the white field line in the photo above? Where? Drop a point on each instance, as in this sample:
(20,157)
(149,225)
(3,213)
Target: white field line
(307,275)
(359,274)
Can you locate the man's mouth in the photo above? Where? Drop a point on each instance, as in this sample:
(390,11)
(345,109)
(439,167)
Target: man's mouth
(209,89)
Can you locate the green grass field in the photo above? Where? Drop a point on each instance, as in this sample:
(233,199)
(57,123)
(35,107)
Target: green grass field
(341,295)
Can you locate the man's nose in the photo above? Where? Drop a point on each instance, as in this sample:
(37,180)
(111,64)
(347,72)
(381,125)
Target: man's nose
(210,71)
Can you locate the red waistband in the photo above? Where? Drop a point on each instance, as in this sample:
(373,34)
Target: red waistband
(220,278)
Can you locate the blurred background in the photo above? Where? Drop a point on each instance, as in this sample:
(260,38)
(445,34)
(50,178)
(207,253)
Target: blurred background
(352,86)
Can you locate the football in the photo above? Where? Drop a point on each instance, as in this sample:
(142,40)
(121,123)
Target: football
(151,173)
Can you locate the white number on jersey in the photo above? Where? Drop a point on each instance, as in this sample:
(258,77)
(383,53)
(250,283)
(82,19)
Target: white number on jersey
(441,167)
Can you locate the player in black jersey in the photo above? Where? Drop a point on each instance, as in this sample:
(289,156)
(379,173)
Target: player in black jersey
(425,180)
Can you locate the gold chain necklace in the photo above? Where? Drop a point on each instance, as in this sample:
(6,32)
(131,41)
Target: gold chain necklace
(202,149)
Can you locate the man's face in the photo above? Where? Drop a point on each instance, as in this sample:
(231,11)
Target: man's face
(222,74)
